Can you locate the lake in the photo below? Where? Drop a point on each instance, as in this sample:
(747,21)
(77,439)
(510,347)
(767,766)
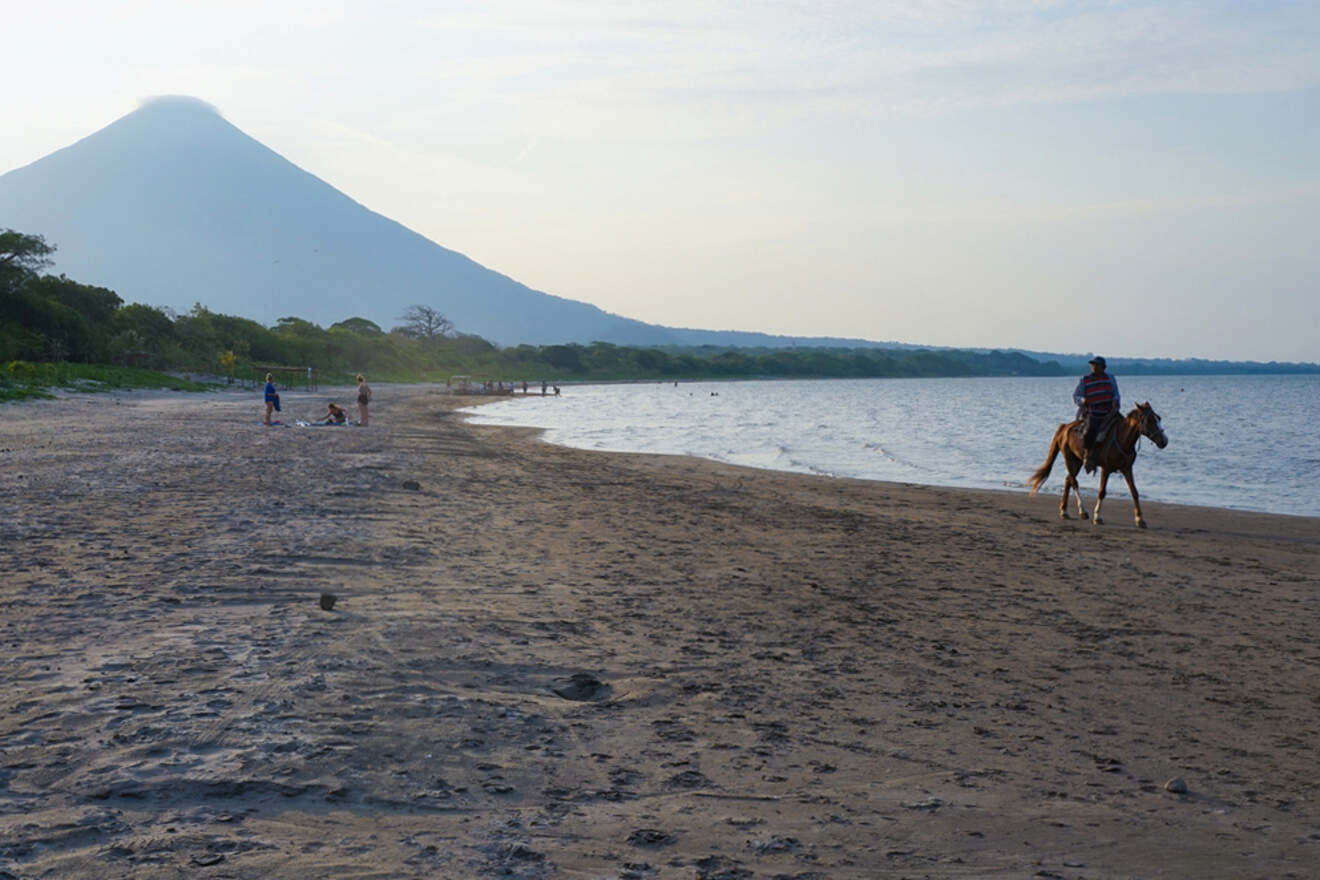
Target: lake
(1239,442)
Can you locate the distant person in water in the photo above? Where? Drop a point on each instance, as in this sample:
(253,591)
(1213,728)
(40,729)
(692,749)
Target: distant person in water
(334,414)
(272,399)
(363,399)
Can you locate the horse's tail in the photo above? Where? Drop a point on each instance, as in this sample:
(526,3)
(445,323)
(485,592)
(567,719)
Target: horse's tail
(1043,472)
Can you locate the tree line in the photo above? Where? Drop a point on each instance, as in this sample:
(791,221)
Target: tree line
(49,318)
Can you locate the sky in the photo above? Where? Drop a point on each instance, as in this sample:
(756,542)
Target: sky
(1130,178)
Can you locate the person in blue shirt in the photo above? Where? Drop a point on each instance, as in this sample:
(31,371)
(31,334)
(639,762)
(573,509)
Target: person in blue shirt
(272,398)
(1097,395)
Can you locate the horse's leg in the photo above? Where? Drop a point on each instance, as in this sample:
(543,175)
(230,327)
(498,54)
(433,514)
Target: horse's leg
(1063,499)
(1100,496)
(1073,464)
(1067,480)
(1136,501)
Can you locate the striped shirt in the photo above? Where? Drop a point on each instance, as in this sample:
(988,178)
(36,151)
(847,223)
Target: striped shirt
(1099,394)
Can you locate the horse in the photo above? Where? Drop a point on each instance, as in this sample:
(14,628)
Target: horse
(1117,452)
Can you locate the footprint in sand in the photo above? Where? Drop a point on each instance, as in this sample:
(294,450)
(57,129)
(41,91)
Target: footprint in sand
(581,687)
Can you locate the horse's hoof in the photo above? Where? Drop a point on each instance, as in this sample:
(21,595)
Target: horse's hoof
(1141,524)
(1097,521)
(1083,515)
(1063,514)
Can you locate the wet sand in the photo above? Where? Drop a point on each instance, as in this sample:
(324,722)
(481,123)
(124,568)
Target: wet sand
(545,662)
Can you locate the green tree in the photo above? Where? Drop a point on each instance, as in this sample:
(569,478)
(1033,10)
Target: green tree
(361,326)
(96,304)
(21,256)
(467,344)
(650,359)
(150,327)
(227,361)
(563,357)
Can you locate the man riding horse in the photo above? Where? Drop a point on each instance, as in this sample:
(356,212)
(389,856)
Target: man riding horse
(1097,395)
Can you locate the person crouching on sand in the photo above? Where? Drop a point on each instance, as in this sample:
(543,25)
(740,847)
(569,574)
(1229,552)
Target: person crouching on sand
(364,398)
(272,399)
(334,415)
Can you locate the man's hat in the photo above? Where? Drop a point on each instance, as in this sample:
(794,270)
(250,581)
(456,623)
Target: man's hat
(1097,360)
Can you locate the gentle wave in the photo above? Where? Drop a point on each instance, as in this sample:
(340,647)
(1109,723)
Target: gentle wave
(1240,442)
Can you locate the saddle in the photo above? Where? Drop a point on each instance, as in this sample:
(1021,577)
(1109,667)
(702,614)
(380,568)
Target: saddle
(1078,429)
(1078,426)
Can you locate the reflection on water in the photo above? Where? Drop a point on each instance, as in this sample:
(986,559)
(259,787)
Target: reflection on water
(1244,442)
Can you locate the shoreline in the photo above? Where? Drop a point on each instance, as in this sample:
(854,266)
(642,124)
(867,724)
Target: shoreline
(544,662)
(1118,496)
(1118,499)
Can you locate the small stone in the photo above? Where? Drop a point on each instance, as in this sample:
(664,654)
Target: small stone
(1177,785)
(411,485)
(206,859)
(931,804)
(689,779)
(650,837)
(328,601)
(581,687)
(775,844)
(520,852)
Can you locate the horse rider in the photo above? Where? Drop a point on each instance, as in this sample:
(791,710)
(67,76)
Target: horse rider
(1097,396)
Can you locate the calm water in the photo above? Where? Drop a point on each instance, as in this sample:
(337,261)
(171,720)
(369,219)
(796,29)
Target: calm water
(1243,442)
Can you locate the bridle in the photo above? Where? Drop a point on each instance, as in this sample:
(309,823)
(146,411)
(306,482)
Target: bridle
(1148,423)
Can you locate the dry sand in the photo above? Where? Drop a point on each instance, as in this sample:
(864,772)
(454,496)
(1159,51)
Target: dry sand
(778,676)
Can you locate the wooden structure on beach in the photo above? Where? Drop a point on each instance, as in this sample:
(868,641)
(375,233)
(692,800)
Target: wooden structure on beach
(287,378)
(461,384)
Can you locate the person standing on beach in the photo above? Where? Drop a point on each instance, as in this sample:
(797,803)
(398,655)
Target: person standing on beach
(272,399)
(364,398)
(1097,395)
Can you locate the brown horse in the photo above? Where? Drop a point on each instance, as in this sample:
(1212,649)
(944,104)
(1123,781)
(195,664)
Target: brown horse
(1117,452)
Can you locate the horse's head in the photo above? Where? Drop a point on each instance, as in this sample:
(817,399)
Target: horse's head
(1149,422)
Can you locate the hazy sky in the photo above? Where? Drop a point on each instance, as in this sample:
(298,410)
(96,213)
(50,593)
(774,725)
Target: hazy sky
(1132,178)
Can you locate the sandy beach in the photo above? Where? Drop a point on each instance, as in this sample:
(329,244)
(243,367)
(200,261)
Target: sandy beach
(550,663)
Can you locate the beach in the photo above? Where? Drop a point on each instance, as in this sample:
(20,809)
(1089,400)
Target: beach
(544,662)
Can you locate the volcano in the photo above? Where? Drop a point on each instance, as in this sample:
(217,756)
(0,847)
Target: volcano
(172,205)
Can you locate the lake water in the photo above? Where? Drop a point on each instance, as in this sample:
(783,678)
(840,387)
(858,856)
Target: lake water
(1241,442)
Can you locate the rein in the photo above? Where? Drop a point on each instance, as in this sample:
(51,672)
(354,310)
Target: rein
(1136,444)
(1142,427)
